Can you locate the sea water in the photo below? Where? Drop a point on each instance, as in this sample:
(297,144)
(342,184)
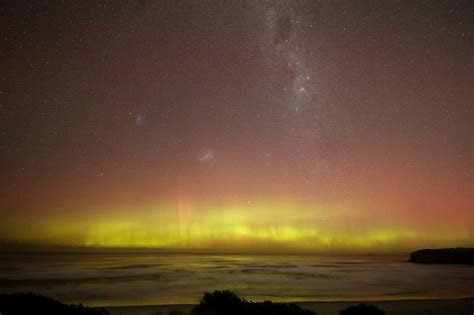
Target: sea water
(142,279)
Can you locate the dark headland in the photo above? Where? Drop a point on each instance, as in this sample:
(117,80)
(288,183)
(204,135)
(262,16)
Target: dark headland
(443,256)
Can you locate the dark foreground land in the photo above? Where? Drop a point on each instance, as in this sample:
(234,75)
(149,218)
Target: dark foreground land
(27,303)
(227,303)
(216,303)
(402,307)
(444,256)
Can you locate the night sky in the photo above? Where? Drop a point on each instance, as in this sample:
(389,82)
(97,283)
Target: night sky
(285,126)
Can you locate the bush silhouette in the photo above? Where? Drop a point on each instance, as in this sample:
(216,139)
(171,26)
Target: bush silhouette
(362,309)
(28,303)
(226,302)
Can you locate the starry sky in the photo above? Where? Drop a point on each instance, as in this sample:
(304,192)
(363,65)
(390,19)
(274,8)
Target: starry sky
(284,126)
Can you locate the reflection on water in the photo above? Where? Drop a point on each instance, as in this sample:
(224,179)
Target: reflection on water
(137,279)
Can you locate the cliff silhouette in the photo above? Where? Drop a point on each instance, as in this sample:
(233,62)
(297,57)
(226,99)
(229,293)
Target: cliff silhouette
(444,256)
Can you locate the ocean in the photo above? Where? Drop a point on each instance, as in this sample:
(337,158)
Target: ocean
(145,279)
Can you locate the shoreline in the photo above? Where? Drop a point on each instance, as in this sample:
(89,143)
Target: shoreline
(455,306)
